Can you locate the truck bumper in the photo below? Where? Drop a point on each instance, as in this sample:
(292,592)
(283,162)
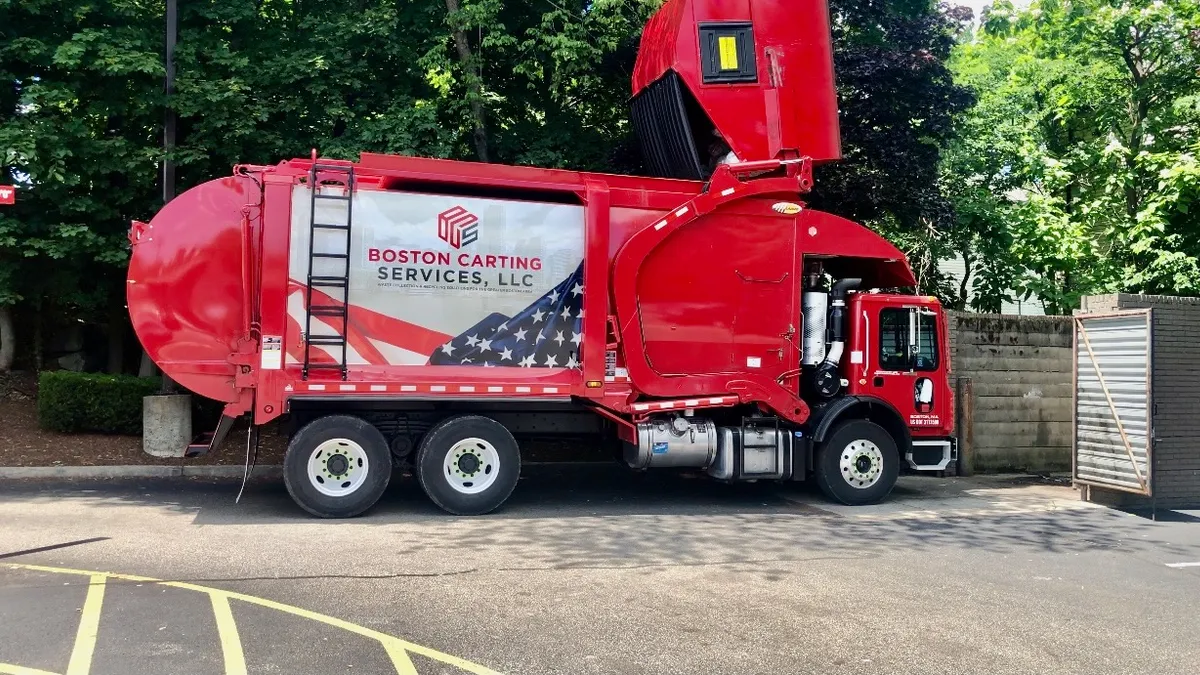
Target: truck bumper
(932,454)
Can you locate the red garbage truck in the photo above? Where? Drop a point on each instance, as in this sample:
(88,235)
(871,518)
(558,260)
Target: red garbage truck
(421,312)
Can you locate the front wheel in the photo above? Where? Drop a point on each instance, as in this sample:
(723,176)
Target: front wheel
(858,463)
(468,465)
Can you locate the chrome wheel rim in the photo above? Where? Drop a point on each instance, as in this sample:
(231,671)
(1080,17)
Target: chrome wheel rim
(861,464)
(471,466)
(338,467)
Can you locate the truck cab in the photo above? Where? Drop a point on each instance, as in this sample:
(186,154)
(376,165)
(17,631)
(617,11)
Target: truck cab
(900,353)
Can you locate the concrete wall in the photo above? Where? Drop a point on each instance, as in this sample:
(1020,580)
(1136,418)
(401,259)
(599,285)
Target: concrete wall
(1021,398)
(1175,385)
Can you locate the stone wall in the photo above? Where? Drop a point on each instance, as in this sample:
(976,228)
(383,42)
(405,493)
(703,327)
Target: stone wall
(1019,415)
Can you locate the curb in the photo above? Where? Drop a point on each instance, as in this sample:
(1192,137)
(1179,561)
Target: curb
(271,471)
(135,471)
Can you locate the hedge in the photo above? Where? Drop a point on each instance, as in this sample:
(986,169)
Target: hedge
(70,402)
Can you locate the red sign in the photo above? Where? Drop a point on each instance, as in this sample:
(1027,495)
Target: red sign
(8,194)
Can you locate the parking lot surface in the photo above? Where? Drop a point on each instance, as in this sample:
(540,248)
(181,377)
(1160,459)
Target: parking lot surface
(594,570)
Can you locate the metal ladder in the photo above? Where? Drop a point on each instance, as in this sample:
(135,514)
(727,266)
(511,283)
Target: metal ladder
(319,174)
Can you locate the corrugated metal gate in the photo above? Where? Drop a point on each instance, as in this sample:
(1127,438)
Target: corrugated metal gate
(1113,400)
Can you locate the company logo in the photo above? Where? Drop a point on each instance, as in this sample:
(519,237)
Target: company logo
(8,195)
(787,208)
(458,227)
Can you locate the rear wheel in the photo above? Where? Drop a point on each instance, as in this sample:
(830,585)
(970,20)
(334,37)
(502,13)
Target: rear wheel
(468,465)
(858,463)
(337,466)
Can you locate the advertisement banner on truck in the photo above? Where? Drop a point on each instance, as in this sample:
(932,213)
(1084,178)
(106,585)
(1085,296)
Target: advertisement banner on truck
(444,280)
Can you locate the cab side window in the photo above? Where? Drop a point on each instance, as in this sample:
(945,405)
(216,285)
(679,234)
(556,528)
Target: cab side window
(907,339)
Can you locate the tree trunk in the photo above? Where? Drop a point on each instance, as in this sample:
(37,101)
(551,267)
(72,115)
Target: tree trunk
(39,361)
(474,85)
(964,286)
(169,386)
(1140,111)
(8,340)
(1069,195)
(116,339)
(1133,197)
(147,367)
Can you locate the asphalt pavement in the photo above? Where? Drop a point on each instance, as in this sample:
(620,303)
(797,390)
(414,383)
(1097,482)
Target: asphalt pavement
(594,570)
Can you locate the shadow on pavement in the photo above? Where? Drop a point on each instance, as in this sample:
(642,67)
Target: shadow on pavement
(564,517)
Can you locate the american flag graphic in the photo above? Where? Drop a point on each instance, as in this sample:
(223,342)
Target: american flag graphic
(547,334)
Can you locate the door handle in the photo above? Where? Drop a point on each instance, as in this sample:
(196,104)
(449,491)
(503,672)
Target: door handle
(878,381)
(753,280)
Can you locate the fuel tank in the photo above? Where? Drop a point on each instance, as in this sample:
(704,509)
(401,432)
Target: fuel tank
(185,284)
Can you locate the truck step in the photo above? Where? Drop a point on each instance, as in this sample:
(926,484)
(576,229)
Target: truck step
(198,449)
(330,226)
(341,256)
(209,440)
(327,341)
(325,366)
(327,310)
(340,198)
(339,282)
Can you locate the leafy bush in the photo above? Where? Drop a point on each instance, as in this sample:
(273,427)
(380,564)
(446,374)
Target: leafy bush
(70,402)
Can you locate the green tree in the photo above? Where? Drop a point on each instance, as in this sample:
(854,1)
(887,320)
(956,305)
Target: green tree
(553,78)
(1078,164)
(898,104)
(541,83)
(77,122)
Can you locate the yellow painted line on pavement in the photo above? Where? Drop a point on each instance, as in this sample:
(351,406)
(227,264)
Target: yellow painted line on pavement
(89,625)
(390,642)
(231,642)
(10,669)
(400,659)
(395,646)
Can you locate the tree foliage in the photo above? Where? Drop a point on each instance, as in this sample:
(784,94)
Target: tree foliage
(542,82)
(77,130)
(898,104)
(1077,168)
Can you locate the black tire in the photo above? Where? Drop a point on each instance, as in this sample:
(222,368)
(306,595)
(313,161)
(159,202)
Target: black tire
(336,428)
(829,473)
(430,465)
